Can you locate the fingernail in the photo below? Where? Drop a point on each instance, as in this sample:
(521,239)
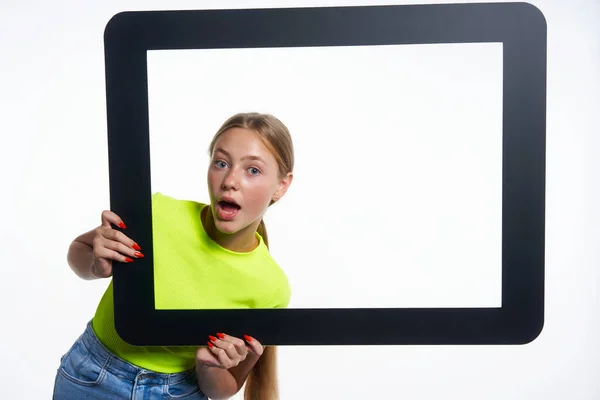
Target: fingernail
(122,225)
(248,338)
(136,246)
(138,254)
(127,259)
(210,345)
(212,338)
(221,335)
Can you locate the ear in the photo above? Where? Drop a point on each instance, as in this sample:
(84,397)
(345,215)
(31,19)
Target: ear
(283,186)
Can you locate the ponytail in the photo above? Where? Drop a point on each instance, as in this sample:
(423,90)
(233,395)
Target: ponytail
(261,383)
(262,231)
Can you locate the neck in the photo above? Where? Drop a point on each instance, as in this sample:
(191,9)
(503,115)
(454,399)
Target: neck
(242,241)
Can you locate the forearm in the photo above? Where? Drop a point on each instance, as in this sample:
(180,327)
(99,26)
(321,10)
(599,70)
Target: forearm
(80,256)
(218,383)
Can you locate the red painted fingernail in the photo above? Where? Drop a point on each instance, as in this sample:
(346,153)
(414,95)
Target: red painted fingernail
(221,335)
(138,254)
(136,246)
(127,259)
(248,338)
(212,338)
(122,225)
(210,345)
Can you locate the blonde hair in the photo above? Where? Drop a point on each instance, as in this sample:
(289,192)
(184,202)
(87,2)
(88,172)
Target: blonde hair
(262,383)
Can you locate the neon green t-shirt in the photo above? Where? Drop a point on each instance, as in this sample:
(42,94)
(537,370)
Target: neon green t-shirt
(191,271)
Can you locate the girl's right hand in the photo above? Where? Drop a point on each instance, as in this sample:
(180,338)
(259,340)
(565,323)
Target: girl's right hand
(110,244)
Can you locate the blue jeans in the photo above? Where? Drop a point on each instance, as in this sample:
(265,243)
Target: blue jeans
(90,371)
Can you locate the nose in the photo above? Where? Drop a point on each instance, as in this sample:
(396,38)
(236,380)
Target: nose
(231,180)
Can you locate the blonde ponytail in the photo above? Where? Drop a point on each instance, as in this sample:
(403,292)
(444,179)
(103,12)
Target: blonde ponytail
(261,383)
(262,231)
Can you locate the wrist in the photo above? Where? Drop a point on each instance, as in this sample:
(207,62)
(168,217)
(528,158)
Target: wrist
(215,382)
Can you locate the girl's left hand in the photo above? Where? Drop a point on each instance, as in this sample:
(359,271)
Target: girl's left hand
(226,351)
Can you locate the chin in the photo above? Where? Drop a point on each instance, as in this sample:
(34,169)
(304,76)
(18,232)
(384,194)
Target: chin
(227,227)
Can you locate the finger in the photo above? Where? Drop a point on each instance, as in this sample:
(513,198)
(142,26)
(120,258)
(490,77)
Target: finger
(119,247)
(118,236)
(109,217)
(228,344)
(255,346)
(238,343)
(205,357)
(222,356)
(108,254)
(102,252)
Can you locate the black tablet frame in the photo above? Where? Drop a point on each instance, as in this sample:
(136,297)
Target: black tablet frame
(520,27)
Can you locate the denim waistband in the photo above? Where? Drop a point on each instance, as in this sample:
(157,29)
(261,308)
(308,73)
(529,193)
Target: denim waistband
(122,368)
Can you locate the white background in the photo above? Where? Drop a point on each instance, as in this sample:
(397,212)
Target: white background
(53,158)
(397,193)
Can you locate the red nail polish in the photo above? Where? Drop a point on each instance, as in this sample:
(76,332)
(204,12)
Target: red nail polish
(138,254)
(122,225)
(210,345)
(221,335)
(212,338)
(136,247)
(248,338)
(127,259)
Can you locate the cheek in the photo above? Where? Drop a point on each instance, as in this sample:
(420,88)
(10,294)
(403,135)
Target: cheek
(213,181)
(259,194)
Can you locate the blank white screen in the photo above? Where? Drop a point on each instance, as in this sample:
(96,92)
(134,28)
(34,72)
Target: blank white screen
(396,198)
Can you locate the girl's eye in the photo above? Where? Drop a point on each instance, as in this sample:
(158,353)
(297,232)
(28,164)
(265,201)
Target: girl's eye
(254,171)
(220,164)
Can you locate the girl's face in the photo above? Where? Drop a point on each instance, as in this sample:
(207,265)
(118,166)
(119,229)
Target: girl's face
(243,178)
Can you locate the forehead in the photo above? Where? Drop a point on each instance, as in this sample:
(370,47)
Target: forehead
(240,142)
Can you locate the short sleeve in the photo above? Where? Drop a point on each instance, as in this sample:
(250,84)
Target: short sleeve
(283,297)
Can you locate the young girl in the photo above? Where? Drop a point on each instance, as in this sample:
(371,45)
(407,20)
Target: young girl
(204,247)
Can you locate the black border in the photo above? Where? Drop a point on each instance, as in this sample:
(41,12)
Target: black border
(519,26)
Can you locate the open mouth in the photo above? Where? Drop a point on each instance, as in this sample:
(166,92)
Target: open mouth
(228,206)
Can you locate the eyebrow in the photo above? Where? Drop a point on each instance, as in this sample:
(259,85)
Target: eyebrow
(248,157)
